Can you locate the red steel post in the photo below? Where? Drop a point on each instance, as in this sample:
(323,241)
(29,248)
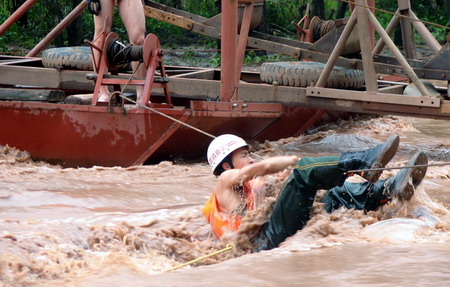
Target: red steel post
(228,81)
(242,43)
(16,15)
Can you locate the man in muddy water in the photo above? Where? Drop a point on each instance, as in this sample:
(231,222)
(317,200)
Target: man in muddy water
(237,187)
(132,14)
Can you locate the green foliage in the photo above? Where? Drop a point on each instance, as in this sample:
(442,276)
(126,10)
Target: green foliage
(188,55)
(205,8)
(278,18)
(214,61)
(252,57)
(433,11)
(39,21)
(170,35)
(16,34)
(279,14)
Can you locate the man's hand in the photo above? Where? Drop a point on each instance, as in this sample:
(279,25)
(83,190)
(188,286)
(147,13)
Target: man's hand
(94,6)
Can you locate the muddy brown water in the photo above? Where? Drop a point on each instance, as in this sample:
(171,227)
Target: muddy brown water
(127,226)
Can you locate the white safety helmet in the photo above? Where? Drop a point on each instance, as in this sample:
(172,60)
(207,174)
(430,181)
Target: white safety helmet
(221,147)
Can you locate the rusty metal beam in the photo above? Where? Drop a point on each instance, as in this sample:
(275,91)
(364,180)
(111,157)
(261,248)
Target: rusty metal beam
(58,29)
(16,15)
(243,38)
(300,50)
(236,109)
(228,53)
(405,65)
(389,29)
(424,33)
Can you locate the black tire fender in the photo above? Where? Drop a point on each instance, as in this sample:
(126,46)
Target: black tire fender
(78,58)
(304,74)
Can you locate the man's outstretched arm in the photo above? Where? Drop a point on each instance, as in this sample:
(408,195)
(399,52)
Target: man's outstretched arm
(267,166)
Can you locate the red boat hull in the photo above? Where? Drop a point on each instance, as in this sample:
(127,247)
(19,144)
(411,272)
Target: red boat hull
(84,136)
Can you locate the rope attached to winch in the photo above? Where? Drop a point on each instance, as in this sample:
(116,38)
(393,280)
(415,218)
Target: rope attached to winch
(120,54)
(120,94)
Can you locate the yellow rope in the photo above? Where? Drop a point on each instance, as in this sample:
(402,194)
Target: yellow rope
(228,247)
(394,14)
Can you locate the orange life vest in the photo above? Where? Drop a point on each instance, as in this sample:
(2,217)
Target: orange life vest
(220,221)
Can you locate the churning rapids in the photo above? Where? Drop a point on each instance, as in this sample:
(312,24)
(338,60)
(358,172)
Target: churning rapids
(128,226)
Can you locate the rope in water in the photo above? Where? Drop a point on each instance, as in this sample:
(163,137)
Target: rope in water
(227,248)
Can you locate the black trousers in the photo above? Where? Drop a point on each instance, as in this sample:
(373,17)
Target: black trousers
(292,209)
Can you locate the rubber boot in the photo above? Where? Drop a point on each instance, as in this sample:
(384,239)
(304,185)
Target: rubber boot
(376,157)
(404,183)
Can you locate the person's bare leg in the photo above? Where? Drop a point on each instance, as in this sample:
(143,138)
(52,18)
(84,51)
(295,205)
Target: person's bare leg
(132,14)
(99,22)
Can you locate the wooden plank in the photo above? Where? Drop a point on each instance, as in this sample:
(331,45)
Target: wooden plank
(443,112)
(373,97)
(182,22)
(38,77)
(193,88)
(214,21)
(445,108)
(126,77)
(168,18)
(248,92)
(268,93)
(28,95)
(45,78)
